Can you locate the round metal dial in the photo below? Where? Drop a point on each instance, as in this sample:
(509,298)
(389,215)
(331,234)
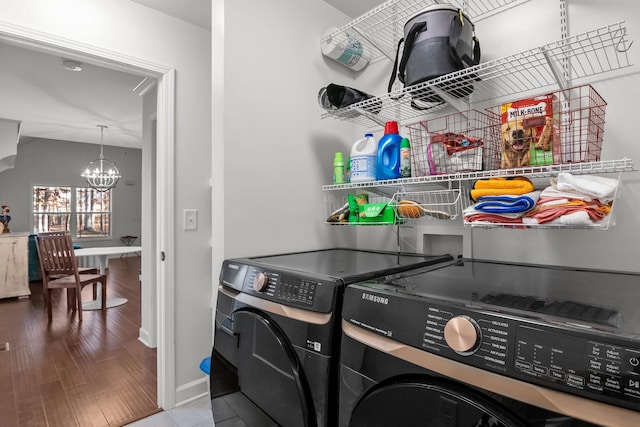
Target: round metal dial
(260,282)
(461,334)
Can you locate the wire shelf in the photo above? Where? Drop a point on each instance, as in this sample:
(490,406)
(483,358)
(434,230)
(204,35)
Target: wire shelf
(601,167)
(539,69)
(418,205)
(380,26)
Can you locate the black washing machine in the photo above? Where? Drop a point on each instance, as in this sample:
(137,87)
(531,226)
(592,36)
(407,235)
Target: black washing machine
(278,327)
(480,343)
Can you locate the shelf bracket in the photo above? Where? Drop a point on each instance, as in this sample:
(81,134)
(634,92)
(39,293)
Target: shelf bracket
(370,116)
(460,106)
(558,74)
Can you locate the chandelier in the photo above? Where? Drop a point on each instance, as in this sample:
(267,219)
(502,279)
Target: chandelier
(101,174)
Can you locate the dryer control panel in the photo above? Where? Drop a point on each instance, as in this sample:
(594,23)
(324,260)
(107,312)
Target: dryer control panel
(284,287)
(580,361)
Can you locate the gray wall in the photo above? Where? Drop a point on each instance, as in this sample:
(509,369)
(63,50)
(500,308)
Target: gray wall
(60,163)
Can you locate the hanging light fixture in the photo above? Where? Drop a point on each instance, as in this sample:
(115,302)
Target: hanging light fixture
(101,174)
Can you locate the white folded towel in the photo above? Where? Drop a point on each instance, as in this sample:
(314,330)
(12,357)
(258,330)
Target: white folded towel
(598,187)
(551,191)
(575,218)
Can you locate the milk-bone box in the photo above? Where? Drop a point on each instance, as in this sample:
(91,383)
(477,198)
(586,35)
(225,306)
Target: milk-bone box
(529,133)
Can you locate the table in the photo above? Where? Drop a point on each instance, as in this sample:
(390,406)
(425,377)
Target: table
(100,256)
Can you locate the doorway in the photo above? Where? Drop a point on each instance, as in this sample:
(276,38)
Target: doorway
(157,205)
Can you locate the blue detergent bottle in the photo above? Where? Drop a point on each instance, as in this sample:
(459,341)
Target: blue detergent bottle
(388,164)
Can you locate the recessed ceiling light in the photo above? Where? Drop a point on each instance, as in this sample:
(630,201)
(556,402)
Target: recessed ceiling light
(71,65)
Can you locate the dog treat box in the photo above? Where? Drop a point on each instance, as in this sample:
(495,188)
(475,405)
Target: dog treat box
(529,133)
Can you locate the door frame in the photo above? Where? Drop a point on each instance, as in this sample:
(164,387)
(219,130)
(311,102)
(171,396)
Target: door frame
(163,238)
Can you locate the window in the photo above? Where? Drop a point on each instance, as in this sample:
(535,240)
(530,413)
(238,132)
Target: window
(84,212)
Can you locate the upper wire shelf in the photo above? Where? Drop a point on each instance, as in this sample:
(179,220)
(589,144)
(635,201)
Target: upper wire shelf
(586,55)
(604,166)
(380,26)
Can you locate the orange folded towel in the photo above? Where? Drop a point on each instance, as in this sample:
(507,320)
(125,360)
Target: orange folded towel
(501,186)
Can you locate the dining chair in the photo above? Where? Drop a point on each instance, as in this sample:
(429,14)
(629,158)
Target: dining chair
(59,268)
(81,270)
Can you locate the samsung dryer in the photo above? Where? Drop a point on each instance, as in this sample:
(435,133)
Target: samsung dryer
(479,343)
(278,324)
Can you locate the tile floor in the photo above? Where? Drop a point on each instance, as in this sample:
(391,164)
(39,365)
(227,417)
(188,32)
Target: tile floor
(193,414)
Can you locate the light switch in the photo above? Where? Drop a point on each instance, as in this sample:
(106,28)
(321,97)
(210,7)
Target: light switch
(190,219)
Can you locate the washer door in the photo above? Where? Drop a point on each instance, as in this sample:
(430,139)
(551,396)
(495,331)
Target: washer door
(269,371)
(429,402)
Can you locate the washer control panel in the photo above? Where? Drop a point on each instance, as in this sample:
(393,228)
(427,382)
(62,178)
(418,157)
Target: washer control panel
(587,363)
(580,363)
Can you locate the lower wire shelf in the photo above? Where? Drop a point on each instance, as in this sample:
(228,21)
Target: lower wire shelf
(400,208)
(423,203)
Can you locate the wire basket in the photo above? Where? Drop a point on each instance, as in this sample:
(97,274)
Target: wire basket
(459,142)
(566,126)
(435,204)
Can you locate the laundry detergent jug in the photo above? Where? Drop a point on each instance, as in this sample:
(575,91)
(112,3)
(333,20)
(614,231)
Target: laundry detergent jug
(388,164)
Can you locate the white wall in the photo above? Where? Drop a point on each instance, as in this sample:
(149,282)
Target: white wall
(137,31)
(277,151)
(529,25)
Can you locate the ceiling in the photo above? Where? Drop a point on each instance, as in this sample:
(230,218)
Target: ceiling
(54,103)
(196,12)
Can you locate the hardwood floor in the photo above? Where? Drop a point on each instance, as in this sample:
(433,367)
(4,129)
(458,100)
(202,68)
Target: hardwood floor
(65,373)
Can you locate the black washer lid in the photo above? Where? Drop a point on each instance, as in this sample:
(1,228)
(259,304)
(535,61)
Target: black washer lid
(604,300)
(349,265)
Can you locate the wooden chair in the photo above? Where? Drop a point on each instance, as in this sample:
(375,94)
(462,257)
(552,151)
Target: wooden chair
(81,270)
(60,271)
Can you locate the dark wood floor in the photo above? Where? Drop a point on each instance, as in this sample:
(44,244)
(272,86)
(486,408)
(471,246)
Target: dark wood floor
(65,373)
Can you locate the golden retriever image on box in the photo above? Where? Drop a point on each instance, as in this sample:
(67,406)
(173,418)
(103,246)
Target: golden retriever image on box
(516,143)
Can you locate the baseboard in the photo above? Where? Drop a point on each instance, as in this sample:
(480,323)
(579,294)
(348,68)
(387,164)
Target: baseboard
(192,391)
(145,338)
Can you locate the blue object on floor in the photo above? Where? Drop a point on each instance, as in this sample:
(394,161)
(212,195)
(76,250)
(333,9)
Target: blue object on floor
(205,365)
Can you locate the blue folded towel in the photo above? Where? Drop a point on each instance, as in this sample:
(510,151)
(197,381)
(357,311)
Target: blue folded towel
(507,204)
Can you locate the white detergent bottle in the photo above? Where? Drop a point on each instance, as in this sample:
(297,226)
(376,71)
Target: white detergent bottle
(364,159)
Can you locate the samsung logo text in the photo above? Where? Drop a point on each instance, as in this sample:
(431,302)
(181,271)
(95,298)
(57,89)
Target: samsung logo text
(375,298)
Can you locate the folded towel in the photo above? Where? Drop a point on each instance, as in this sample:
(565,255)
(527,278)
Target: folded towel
(501,186)
(470,211)
(595,211)
(551,201)
(551,191)
(598,187)
(486,218)
(508,203)
(574,218)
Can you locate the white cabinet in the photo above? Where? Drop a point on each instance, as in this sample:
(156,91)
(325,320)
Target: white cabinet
(14,271)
